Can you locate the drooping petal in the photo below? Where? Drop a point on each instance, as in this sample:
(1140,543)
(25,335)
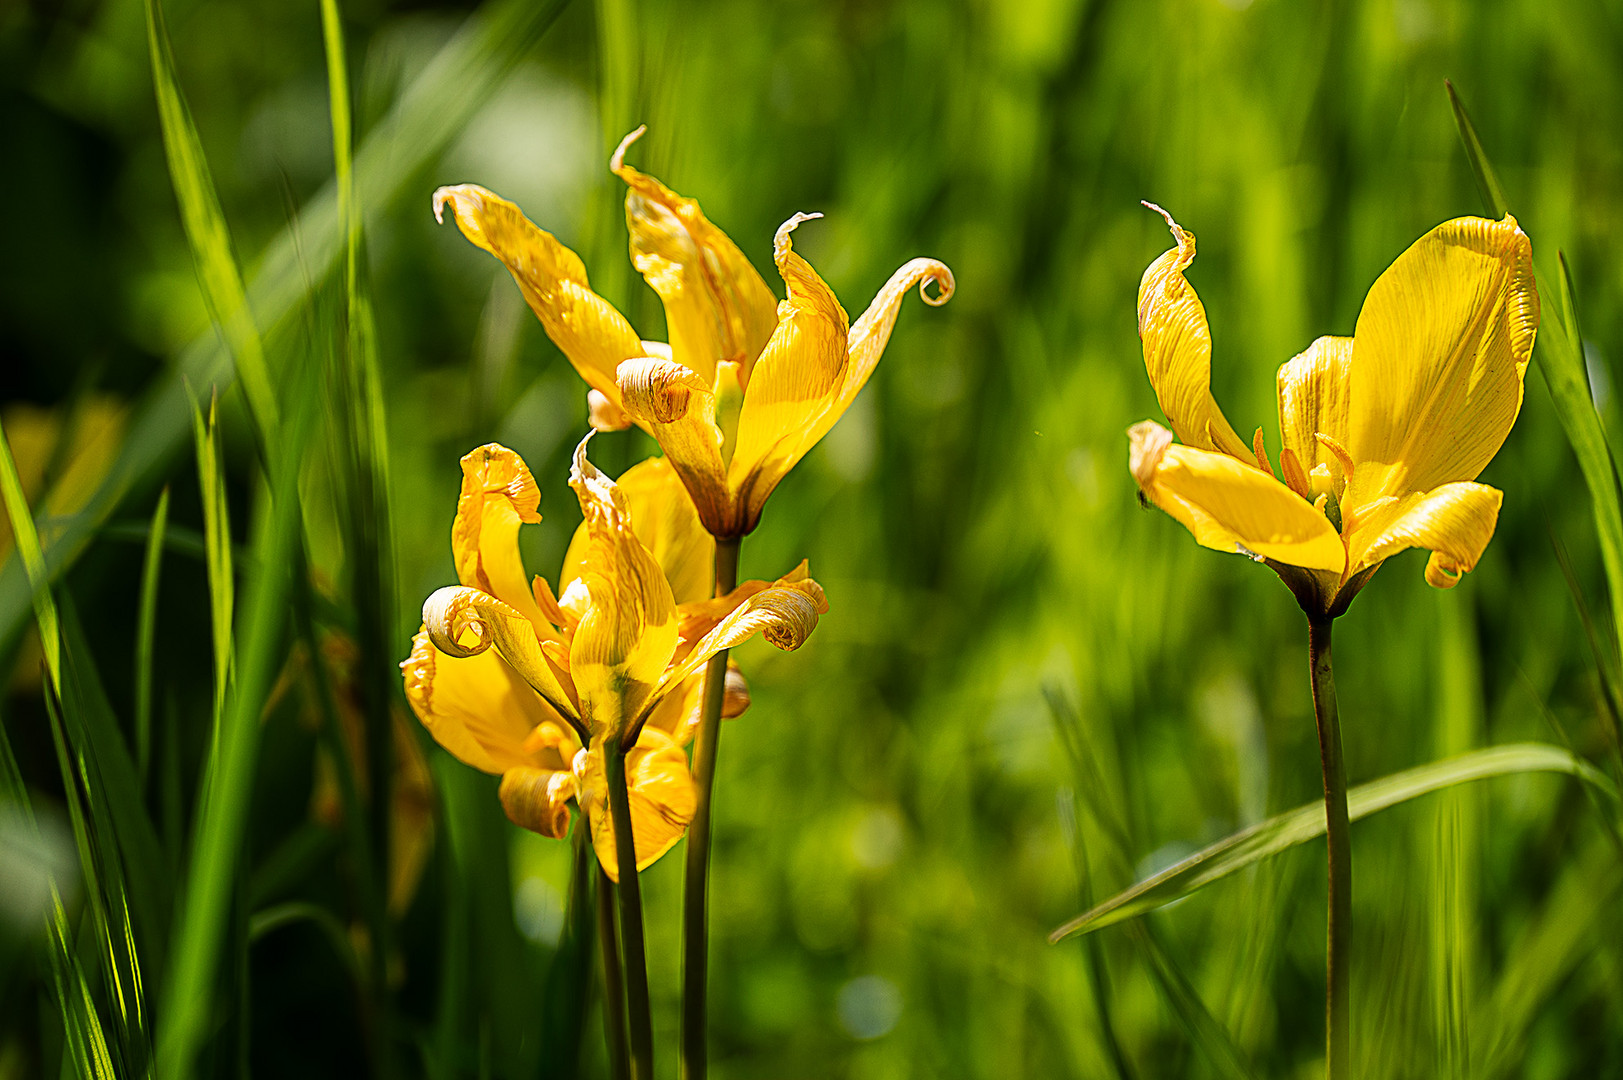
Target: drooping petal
(1455,522)
(716,305)
(477,707)
(1314,391)
(1178,349)
(627,632)
(661,796)
(538,799)
(498,495)
(663,518)
(1230,506)
(585,327)
(464,622)
(797,379)
(677,409)
(1440,351)
(699,617)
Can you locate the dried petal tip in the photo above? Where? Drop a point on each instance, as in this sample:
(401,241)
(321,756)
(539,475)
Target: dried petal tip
(453,194)
(1148,442)
(780,242)
(581,469)
(1178,232)
(617,162)
(656,390)
(937,273)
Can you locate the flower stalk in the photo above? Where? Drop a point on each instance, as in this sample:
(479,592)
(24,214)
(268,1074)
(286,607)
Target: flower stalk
(614,987)
(695,893)
(1338,1006)
(629,892)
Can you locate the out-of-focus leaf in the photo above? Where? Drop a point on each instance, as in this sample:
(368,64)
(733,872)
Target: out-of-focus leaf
(33,560)
(1487,181)
(145,624)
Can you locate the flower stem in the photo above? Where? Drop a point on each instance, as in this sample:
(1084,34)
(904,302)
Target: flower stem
(630,895)
(1338,1006)
(695,900)
(614,987)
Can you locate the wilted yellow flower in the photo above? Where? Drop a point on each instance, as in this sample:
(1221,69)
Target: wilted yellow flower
(1384,432)
(746,385)
(536,687)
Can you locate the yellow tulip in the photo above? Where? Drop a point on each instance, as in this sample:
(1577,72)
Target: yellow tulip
(533,685)
(1384,433)
(746,386)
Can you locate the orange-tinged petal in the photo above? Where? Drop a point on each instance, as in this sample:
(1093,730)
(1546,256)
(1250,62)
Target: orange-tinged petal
(1230,506)
(1455,522)
(464,622)
(716,305)
(797,379)
(585,327)
(661,796)
(498,495)
(627,632)
(477,707)
(538,799)
(1439,355)
(1314,390)
(663,518)
(1178,349)
(677,409)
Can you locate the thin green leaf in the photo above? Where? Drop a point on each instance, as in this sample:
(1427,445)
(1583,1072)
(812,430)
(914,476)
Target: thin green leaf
(145,624)
(1487,181)
(217,547)
(26,537)
(1285,831)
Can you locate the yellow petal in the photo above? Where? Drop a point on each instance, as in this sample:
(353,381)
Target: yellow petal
(677,409)
(585,327)
(538,799)
(1439,354)
(1455,522)
(498,495)
(716,305)
(1178,349)
(663,518)
(796,380)
(627,632)
(1229,506)
(1314,391)
(661,796)
(464,622)
(477,707)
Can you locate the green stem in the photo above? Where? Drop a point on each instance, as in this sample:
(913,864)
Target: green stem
(630,895)
(614,987)
(1338,1005)
(696,885)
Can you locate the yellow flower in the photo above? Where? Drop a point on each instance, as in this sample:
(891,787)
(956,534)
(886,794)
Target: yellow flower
(746,385)
(1384,432)
(516,680)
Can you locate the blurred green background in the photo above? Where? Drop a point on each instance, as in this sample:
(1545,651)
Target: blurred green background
(1028,692)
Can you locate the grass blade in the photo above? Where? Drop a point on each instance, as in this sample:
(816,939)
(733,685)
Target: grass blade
(146,622)
(26,538)
(1487,181)
(217,548)
(1285,831)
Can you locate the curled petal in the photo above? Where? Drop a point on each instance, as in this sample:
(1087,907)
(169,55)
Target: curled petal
(785,614)
(477,707)
(498,495)
(464,622)
(1441,349)
(1178,349)
(1455,522)
(661,796)
(538,799)
(585,327)
(716,305)
(678,410)
(699,617)
(1231,506)
(657,391)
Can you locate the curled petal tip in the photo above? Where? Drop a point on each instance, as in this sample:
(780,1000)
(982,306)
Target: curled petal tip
(618,161)
(581,467)
(944,284)
(453,194)
(656,389)
(1178,231)
(1148,445)
(780,241)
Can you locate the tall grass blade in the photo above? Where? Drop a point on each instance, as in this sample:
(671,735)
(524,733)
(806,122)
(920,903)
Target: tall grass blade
(146,623)
(1285,831)
(217,548)
(1487,181)
(206,231)
(26,538)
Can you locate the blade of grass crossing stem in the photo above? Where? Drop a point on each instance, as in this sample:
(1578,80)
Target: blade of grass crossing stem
(433,110)
(217,548)
(206,231)
(228,778)
(26,539)
(1305,823)
(1487,181)
(146,622)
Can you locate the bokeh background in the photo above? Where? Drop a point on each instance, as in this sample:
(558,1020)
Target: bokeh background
(1029,691)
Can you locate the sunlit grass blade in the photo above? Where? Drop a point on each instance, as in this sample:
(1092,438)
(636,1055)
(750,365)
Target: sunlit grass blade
(206,231)
(434,109)
(228,779)
(144,627)
(85,1044)
(26,538)
(217,547)
(1284,831)
(1487,181)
